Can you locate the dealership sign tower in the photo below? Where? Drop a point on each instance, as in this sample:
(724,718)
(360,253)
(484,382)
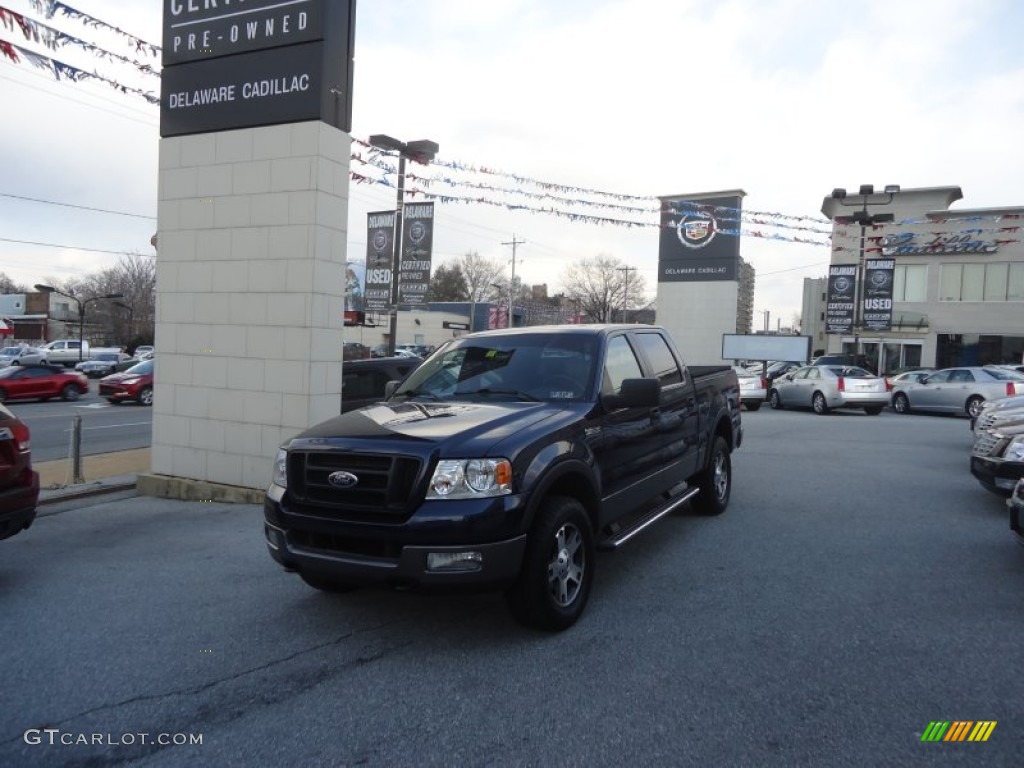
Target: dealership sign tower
(255,114)
(698,270)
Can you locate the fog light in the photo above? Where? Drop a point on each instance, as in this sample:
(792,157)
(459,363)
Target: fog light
(273,535)
(1005,483)
(454,561)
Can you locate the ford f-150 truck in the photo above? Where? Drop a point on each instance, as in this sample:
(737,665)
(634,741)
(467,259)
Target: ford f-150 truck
(503,462)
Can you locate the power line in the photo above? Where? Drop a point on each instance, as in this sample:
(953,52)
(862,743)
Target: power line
(81,207)
(74,247)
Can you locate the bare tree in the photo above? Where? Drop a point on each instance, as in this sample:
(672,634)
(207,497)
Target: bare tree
(7,285)
(603,287)
(480,274)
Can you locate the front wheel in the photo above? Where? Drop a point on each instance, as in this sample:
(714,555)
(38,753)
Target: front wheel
(973,406)
(900,403)
(69,392)
(819,404)
(558,567)
(774,400)
(715,482)
(146,396)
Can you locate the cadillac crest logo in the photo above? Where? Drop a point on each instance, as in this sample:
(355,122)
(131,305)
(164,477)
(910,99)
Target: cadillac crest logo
(842,285)
(417,231)
(380,240)
(696,230)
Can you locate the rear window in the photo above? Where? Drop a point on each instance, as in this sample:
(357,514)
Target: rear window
(1004,375)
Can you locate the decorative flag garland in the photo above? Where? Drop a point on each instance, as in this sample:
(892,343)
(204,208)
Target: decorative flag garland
(50,7)
(42,34)
(59,69)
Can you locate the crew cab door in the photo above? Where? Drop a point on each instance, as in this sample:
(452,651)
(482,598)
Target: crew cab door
(625,440)
(678,419)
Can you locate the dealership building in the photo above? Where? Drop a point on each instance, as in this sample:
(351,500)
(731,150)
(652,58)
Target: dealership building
(926,285)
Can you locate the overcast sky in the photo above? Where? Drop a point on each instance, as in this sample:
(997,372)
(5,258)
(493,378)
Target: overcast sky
(784,99)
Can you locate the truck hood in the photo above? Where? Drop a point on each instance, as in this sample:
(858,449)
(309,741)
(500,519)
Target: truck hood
(465,429)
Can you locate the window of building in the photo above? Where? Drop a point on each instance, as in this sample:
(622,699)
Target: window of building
(950,278)
(995,282)
(1015,283)
(998,281)
(973,286)
(977,349)
(910,282)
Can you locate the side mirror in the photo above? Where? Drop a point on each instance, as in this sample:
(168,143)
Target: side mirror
(636,393)
(390,387)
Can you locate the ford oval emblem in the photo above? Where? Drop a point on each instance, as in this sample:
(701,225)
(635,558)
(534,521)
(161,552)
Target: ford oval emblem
(342,479)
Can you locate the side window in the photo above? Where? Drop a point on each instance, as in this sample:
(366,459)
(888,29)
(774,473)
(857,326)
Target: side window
(961,376)
(619,364)
(939,378)
(801,373)
(813,373)
(656,350)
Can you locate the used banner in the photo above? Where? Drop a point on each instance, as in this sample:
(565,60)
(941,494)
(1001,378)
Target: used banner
(878,280)
(842,285)
(417,244)
(380,255)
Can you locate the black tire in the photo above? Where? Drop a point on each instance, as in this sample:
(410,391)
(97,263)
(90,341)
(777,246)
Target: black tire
(69,392)
(558,567)
(774,400)
(145,396)
(900,403)
(819,404)
(752,405)
(874,410)
(715,481)
(973,406)
(112,401)
(326,584)
(15,362)
(3,396)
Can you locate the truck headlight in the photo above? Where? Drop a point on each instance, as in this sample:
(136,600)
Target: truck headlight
(470,479)
(1015,450)
(281,468)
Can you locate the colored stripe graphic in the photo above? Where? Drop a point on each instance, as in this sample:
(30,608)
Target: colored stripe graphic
(958,730)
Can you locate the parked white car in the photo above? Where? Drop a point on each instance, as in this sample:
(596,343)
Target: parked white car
(753,389)
(957,390)
(22,355)
(824,387)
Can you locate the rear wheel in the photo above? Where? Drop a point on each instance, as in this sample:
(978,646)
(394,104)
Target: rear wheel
(3,396)
(69,392)
(146,396)
(973,406)
(558,567)
(715,482)
(774,400)
(900,403)
(325,584)
(819,404)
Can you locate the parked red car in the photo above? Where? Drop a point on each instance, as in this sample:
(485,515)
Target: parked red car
(19,483)
(41,382)
(134,384)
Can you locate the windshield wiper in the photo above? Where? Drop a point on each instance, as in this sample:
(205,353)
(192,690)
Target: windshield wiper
(418,393)
(518,393)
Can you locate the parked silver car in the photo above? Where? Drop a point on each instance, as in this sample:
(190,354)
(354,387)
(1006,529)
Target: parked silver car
(957,390)
(22,355)
(824,387)
(753,389)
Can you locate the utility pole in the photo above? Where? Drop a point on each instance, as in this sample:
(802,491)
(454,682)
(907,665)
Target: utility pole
(767,317)
(625,292)
(512,282)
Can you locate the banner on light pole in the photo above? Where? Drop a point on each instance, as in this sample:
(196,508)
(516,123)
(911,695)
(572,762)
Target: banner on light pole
(878,282)
(842,289)
(380,257)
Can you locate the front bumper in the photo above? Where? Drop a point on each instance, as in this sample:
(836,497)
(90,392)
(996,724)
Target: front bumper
(19,507)
(997,475)
(396,555)
(118,393)
(1016,505)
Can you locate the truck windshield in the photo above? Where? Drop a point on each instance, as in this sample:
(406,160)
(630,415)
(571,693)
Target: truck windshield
(526,366)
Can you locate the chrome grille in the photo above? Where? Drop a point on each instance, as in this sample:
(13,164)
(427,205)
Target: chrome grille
(985,421)
(384,488)
(986,444)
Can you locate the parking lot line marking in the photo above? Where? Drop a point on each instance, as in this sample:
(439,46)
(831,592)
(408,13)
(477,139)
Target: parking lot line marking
(111,426)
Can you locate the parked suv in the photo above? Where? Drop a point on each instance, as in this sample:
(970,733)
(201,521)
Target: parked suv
(363,381)
(19,483)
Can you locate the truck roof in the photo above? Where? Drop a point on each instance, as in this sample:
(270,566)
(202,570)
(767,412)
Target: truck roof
(593,329)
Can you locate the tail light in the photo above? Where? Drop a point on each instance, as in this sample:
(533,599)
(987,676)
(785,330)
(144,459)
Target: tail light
(764,383)
(1011,388)
(842,384)
(21,436)
(888,385)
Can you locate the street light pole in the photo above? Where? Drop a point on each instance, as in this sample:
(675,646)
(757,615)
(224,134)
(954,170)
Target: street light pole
(131,318)
(82,304)
(864,219)
(422,151)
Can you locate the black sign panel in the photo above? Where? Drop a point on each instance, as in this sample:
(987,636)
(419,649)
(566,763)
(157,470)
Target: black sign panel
(290,61)
(878,280)
(417,246)
(842,291)
(197,30)
(699,239)
(380,255)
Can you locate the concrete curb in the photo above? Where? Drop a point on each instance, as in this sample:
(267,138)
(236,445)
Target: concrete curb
(85,490)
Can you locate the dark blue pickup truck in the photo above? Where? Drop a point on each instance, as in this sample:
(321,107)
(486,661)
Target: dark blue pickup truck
(504,462)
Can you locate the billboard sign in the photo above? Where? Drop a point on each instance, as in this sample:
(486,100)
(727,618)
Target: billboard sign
(842,290)
(699,239)
(380,257)
(417,246)
(878,282)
